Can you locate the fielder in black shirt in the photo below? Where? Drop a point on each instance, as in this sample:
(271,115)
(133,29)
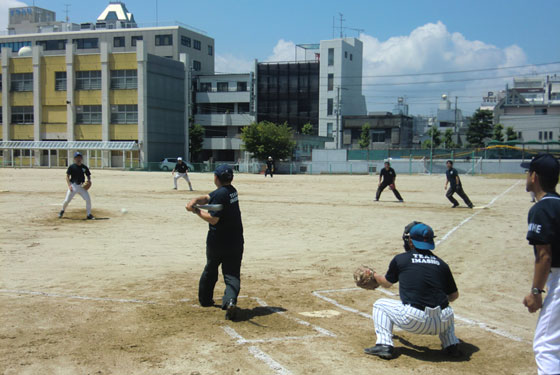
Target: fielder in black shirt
(387,177)
(224,243)
(455,186)
(270,167)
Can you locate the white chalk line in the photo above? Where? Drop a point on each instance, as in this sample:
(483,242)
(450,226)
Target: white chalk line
(262,356)
(86,298)
(467,321)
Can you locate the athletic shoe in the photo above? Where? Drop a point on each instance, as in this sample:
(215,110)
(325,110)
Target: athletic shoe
(455,205)
(231,309)
(207,304)
(60,214)
(90,217)
(471,205)
(174,188)
(453,351)
(401,201)
(380,350)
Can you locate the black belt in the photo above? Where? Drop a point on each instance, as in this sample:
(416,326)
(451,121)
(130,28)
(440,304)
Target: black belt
(423,307)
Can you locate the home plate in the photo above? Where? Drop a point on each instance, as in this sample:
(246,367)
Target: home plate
(320,314)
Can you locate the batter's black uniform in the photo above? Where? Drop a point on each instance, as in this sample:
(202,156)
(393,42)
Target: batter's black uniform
(224,245)
(388,177)
(454,187)
(270,168)
(181,168)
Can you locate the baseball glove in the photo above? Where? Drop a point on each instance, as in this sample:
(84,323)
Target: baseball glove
(86,185)
(363,276)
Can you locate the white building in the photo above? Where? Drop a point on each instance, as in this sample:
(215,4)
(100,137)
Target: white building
(340,86)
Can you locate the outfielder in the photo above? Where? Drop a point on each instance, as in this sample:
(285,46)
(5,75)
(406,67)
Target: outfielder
(180,171)
(387,177)
(426,287)
(224,243)
(270,167)
(455,186)
(75,177)
(544,235)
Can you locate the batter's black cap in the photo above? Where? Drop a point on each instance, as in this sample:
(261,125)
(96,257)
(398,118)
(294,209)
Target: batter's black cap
(224,171)
(544,164)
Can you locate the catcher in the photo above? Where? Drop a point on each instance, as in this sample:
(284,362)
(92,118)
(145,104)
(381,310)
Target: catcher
(426,288)
(75,177)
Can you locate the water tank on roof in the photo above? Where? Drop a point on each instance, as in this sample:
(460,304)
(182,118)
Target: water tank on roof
(25,51)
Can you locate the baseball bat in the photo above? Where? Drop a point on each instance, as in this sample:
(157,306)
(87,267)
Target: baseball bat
(209,207)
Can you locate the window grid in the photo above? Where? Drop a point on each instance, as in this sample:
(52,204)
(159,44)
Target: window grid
(88,80)
(124,79)
(88,114)
(186,41)
(197,44)
(210,50)
(134,39)
(60,81)
(197,66)
(118,41)
(22,81)
(22,115)
(164,40)
(124,114)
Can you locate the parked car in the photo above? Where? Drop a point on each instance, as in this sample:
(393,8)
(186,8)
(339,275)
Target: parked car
(168,164)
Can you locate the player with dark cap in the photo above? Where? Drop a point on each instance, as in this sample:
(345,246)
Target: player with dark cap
(544,234)
(224,243)
(455,186)
(76,175)
(387,177)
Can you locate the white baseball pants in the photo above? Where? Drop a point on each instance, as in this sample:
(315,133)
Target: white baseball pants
(431,321)
(181,175)
(546,344)
(83,193)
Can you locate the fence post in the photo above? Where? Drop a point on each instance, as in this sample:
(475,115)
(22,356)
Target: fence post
(453,156)
(410,163)
(350,169)
(431,160)
(330,168)
(311,168)
(472,157)
(291,168)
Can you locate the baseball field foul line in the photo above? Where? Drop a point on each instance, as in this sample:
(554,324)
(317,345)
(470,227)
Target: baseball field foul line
(57,295)
(262,356)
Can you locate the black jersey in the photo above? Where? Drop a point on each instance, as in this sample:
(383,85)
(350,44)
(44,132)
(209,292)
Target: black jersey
(270,164)
(424,279)
(229,229)
(388,175)
(453,177)
(181,168)
(544,225)
(77,173)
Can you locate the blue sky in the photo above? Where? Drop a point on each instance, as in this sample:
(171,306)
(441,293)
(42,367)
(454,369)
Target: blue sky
(400,37)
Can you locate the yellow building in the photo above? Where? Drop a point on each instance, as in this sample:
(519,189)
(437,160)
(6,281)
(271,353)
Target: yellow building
(120,109)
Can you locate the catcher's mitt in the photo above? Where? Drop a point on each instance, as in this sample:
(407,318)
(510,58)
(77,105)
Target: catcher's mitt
(86,185)
(363,276)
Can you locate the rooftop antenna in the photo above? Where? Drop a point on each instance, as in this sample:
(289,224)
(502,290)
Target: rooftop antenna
(157,13)
(341,29)
(66,10)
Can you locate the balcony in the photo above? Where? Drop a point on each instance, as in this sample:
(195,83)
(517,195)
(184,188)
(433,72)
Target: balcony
(224,143)
(223,97)
(224,119)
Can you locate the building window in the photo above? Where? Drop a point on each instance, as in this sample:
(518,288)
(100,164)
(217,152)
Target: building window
(520,135)
(223,87)
(210,50)
(22,81)
(52,45)
(243,108)
(345,54)
(0,82)
(186,41)
(22,115)
(330,82)
(60,81)
(351,57)
(205,86)
(550,135)
(330,106)
(15,46)
(545,136)
(88,114)
(88,80)
(331,56)
(329,129)
(134,39)
(197,45)
(540,136)
(118,41)
(378,136)
(0,115)
(124,79)
(197,66)
(124,114)
(241,86)
(164,40)
(86,43)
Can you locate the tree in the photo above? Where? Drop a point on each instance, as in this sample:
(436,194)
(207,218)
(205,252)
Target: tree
(265,139)
(448,139)
(365,138)
(480,128)
(510,134)
(434,134)
(307,129)
(498,135)
(196,137)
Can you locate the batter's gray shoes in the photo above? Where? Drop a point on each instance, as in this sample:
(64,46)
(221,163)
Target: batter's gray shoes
(60,214)
(380,350)
(90,217)
(231,310)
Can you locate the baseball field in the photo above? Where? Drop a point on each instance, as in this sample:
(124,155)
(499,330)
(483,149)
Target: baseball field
(118,295)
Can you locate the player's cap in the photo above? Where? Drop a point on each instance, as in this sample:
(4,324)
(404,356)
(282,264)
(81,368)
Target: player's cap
(179,158)
(544,165)
(76,154)
(270,158)
(422,237)
(224,171)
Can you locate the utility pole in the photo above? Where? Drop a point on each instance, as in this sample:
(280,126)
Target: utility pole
(66,10)
(341,29)
(338,127)
(157,21)
(456,131)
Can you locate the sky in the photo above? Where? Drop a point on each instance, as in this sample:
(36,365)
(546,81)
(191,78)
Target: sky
(404,39)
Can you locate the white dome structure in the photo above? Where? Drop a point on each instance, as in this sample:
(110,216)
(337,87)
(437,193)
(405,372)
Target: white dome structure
(25,51)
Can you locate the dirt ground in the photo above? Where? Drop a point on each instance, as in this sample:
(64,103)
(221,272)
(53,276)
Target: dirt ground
(118,296)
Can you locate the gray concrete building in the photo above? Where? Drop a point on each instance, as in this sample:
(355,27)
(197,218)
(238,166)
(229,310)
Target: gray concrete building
(387,131)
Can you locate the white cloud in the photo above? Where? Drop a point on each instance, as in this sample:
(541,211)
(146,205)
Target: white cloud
(432,48)
(229,63)
(4,16)
(283,51)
